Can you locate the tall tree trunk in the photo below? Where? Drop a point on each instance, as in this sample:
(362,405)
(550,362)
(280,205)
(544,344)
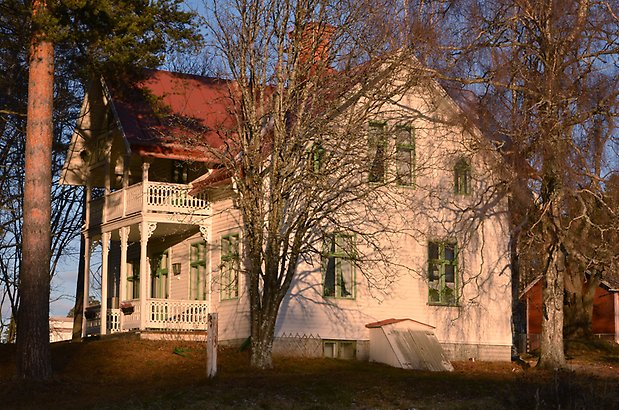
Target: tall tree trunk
(262,334)
(263,314)
(78,309)
(33,352)
(552,354)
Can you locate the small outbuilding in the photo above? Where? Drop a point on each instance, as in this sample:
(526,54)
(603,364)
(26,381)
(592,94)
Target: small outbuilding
(408,344)
(605,317)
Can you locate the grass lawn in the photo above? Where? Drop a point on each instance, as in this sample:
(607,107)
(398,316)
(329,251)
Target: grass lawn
(128,373)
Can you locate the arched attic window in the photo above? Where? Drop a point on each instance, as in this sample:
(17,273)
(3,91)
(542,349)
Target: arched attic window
(462,177)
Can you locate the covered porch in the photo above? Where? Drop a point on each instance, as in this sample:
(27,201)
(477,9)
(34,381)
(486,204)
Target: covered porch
(161,314)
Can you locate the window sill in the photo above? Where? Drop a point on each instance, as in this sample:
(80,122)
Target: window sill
(339,298)
(438,304)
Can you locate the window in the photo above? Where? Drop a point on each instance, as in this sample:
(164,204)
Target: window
(230,261)
(180,170)
(339,349)
(442,273)
(462,177)
(159,273)
(317,157)
(405,155)
(197,271)
(339,267)
(133,279)
(377,147)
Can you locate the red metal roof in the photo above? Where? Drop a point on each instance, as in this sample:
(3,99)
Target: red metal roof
(174,115)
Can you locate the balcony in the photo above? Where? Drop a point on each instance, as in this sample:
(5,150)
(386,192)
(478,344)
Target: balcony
(147,197)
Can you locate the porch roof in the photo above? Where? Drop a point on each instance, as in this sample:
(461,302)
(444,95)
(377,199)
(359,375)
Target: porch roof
(176,116)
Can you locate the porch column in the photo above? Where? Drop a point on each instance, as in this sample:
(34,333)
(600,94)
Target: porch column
(86,280)
(122,294)
(205,232)
(107,181)
(146,230)
(105,251)
(145,166)
(126,160)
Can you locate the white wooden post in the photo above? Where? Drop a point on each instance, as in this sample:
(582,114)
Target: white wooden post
(145,167)
(125,183)
(211,346)
(143,273)
(124,236)
(105,251)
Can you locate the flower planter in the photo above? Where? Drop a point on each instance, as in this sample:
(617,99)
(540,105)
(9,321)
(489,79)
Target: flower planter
(90,314)
(127,308)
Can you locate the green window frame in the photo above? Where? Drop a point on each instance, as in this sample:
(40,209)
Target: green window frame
(462,177)
(159,275)
(133,279)
(230,267)
(338,263)
(197,271)
(442,273)
(317,157)
(405,155)
(180,172)
(377,151)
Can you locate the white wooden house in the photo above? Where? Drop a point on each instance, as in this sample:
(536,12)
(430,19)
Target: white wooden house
(170,258)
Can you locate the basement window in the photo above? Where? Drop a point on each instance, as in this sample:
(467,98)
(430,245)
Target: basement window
(339,349)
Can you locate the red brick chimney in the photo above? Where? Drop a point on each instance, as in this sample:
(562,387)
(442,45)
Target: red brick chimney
(314,46)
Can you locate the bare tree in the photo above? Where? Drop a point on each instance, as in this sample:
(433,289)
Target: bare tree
(312,86)
(545,71)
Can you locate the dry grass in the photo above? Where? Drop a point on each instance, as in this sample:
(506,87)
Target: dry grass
(131,373)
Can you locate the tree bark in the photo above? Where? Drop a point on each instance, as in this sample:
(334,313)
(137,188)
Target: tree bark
(33,352)
(262,342)
(552,354)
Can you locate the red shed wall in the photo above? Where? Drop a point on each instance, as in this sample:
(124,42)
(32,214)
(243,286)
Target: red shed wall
(603,311)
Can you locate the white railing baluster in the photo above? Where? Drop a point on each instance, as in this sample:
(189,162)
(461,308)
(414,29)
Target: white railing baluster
(175,198)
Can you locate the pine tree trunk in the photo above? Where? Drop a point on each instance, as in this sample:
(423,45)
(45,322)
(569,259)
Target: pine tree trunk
(552,354)
(33,352)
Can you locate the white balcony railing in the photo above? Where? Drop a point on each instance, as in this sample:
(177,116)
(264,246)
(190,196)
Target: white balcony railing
(162,314)
(93,320)
(161,197)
